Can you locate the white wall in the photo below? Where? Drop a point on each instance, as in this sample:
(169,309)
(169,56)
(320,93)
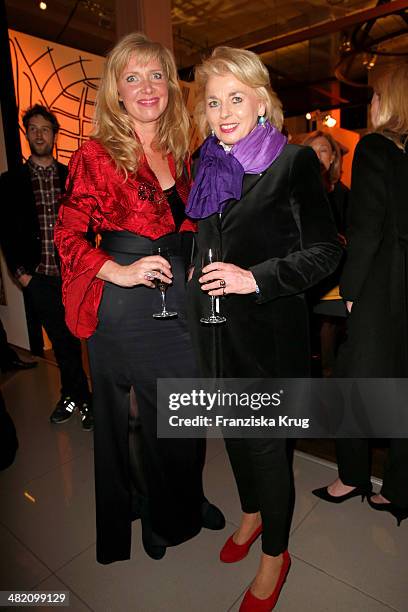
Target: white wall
(12,315)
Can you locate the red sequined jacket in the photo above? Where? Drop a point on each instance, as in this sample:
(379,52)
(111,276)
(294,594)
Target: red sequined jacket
(97,195)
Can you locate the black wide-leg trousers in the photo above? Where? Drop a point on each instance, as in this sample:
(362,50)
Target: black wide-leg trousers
(130,349)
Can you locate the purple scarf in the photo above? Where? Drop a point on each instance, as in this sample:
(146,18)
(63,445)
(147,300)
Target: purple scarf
(220,173)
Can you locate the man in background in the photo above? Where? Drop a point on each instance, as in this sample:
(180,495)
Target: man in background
(30,195)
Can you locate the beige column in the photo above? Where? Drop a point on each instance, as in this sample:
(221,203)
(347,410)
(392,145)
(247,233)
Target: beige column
(153,17)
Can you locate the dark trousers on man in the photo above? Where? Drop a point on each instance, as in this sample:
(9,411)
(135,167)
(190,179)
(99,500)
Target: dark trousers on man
(44,293)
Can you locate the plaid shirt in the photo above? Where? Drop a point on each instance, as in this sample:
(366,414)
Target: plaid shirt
(46,190)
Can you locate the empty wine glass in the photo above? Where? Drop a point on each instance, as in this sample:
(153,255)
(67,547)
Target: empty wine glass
(211,255)
(162,287)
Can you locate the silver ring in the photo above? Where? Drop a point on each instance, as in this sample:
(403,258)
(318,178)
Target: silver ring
(222,283)
(149,276)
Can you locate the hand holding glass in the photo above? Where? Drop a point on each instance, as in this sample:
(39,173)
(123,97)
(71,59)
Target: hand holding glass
(209,256)
(162,287)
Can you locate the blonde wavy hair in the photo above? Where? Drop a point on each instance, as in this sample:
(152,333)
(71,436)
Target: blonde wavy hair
(392,117)
(247,68)
(334,172)
(113,127)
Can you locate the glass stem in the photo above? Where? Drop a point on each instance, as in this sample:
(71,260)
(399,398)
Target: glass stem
(212,305)
(163,297)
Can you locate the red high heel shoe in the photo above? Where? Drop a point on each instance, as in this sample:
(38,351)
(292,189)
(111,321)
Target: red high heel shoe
(232,552)
(250,603)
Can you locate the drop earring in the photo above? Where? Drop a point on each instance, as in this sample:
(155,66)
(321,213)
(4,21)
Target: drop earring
(262,120)
(212,133)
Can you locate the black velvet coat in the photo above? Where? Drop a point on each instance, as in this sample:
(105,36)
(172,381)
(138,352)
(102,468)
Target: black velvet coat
(282,230)
(375,276)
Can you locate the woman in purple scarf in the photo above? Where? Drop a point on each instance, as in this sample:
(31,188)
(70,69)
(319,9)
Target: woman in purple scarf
(261,203)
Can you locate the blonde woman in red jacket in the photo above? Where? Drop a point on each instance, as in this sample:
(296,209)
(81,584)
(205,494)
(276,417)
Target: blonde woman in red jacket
(130,183)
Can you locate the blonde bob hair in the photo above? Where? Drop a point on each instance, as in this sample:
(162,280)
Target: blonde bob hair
(392,117)
(114,128)
(334,172)
(247,68)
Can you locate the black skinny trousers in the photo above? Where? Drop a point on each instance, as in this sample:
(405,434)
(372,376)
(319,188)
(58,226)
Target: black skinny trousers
(263,477)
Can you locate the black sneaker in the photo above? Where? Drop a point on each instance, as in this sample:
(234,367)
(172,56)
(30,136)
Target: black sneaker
(87,420)
(64,410)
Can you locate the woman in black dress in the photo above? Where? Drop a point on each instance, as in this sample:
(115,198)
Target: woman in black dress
(262,203)
(375,286)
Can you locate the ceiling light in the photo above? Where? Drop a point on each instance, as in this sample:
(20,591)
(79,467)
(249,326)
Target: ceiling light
(43,6)
(346,46)
(329,121)
(308,116)
(369,62)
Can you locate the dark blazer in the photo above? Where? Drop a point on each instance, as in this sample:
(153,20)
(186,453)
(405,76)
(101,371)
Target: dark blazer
(375,275)
(282,230)
(20,231)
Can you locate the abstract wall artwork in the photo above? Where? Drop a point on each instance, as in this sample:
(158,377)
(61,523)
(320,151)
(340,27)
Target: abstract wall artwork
(61,78)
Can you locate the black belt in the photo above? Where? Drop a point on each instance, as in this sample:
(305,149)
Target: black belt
(126,242)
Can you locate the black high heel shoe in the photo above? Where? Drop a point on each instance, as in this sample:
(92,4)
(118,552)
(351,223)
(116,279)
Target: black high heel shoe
(338,499)
(400,514)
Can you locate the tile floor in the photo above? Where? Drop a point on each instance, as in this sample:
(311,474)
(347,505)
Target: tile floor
(345,559)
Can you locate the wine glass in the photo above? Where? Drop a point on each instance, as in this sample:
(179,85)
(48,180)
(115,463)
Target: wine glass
(211,255)
(162,287)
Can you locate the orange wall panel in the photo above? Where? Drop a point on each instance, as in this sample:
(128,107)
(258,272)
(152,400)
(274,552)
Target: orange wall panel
(61,78)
